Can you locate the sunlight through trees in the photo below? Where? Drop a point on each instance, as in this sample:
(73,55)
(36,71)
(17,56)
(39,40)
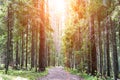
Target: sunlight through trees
(81,35)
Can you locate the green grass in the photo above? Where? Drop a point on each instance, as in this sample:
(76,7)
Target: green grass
(86,76)
(119,76)
(21,74)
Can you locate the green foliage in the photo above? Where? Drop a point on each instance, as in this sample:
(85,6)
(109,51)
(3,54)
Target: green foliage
(3,33)
(2,67)
(86,76)
(29,75)
(78,17)
(2,43)
(73,71)
(94,6)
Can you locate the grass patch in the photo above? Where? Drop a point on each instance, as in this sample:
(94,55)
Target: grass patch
(22,74)
(119,76)
(85,76)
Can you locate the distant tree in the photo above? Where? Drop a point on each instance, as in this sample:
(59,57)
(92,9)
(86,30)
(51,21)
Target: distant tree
(114,54)
(22,55)
(107,30)
(10,24)
(33,46)
(93,46)
(26,45)
(100,46)
(17,54)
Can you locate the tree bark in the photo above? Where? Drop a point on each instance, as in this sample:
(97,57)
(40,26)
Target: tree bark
(48,56)
(107,49)
(22,56)
(17,58)
(93,47)
(42,39)
(10,24)
(100,47)
(33,48)
(114,54)
(104,52)
(26,62)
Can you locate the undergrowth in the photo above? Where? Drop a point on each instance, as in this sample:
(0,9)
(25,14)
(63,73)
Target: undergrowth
(86,76)
(22,74)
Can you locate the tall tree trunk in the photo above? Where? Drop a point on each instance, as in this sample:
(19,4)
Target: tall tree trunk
(114,46)
(100,47)
(119,43)
(107,49)
(10,24)
(42,39)
(48,56)
(104,52)
(22,56)
(93,47)
(26,46)
(36,45)
(19,50)
(8,46)
(17,58)
(89,62)
(33,48)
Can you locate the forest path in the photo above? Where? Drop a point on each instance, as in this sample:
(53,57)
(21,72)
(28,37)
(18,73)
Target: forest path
(58,73)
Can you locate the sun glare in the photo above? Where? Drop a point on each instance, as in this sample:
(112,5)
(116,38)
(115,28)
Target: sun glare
(57,12)
(59,6)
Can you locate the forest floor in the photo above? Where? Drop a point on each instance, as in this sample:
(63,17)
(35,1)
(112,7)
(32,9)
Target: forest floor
(58,73)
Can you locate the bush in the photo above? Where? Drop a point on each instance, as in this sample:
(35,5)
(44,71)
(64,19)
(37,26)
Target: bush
(2,66)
